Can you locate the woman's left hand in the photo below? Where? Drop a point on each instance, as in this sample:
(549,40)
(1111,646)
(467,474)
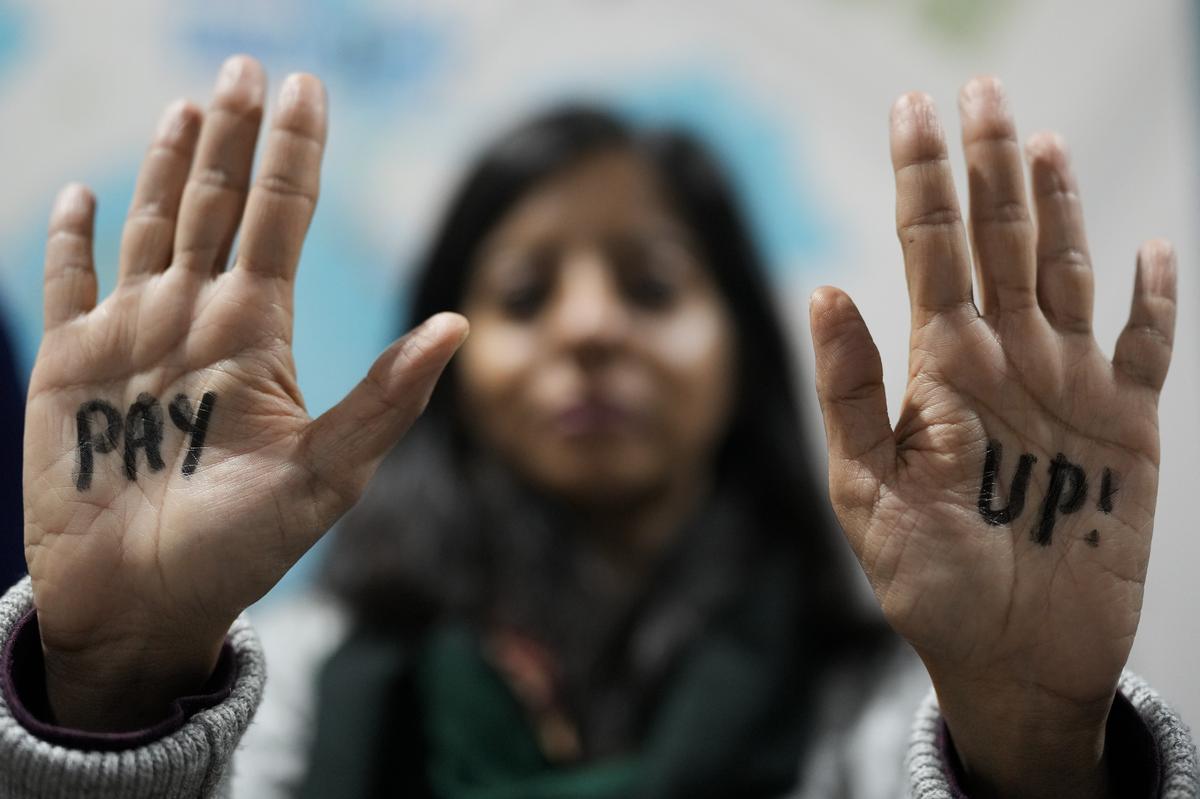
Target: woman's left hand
(1005,522)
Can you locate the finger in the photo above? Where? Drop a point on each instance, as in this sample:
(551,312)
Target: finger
(343,446)
(149,234)
(928,220)
(1144,347)
(1064,267)
(285,192)
(849,375)
(1001,228)
(70,275)
(216,187)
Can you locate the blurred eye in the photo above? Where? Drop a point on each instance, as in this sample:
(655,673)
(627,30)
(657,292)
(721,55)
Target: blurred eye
(524,300)
(653,272)
(650,292)
(518,280)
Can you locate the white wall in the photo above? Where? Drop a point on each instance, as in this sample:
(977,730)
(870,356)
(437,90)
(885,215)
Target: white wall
(795,93)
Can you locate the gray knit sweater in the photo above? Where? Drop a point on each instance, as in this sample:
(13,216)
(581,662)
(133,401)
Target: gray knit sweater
(859,755)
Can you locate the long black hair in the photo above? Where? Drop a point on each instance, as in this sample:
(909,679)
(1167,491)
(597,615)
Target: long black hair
(443,523)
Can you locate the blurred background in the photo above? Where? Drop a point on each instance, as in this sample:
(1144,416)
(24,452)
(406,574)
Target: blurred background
(794,96)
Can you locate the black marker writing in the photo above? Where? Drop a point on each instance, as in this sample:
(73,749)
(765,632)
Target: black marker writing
(1062,471)
(104,441)
(1016,493)
(181,415)
(143,430)
(1108,487)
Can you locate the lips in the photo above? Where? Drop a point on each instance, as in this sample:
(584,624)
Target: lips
(593,417)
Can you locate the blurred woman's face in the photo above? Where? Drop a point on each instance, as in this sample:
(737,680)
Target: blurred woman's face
(600,360)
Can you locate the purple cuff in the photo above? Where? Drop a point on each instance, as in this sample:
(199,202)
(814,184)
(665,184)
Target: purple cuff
(1134,767)
(23,682)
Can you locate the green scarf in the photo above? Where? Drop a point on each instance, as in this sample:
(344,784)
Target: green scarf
(435,719)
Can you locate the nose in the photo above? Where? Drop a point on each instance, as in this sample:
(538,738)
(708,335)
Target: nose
(589,317)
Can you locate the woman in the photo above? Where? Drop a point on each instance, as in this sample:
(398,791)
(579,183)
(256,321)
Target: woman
(611,474)
(612,579)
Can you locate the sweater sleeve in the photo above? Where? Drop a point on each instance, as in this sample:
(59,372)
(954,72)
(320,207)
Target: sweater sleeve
(1153,747)
(187,755)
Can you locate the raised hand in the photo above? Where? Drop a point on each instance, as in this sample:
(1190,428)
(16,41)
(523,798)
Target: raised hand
(172,474)
(1005,522)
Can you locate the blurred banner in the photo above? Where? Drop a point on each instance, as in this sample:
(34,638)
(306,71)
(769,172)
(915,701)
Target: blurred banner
(795,96)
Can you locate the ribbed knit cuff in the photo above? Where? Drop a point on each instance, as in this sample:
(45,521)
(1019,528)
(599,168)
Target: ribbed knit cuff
(187,761)
(23,688)
(1154,751)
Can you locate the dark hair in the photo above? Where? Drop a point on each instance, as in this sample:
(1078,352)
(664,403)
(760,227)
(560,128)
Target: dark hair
(422,542)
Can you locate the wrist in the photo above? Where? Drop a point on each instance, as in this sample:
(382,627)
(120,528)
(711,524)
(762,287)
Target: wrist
(1022,741)
(123,687)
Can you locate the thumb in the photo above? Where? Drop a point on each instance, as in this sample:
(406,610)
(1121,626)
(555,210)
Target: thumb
(343,446)
(862,450)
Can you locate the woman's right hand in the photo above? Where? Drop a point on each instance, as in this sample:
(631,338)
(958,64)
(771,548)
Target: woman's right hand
(172,475)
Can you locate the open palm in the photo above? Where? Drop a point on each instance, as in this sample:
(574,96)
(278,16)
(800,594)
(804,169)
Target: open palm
(172,474)
(1005,522)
